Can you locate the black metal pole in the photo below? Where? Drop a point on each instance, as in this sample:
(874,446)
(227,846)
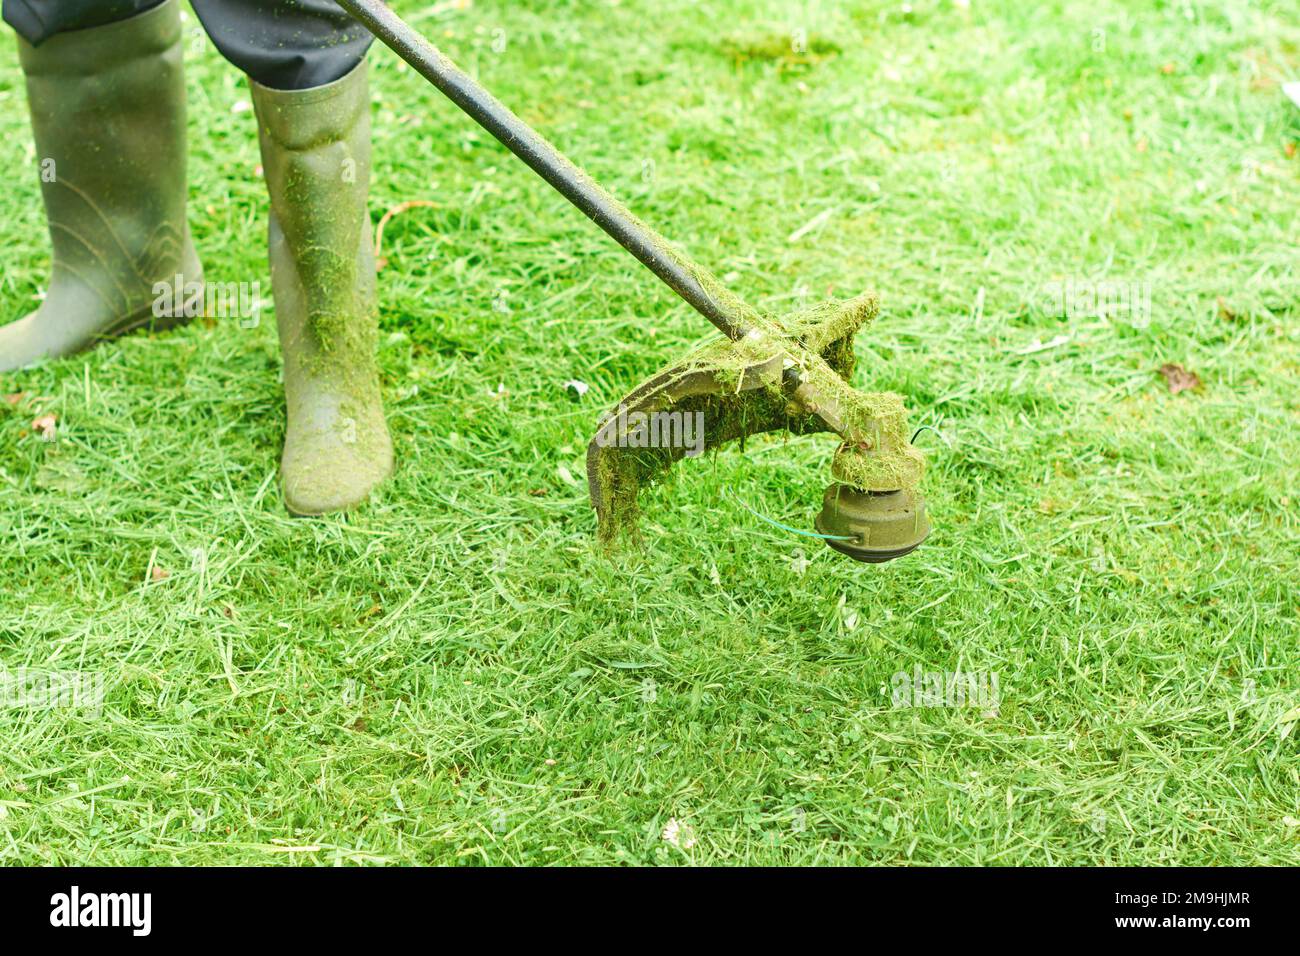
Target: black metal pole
(547,161)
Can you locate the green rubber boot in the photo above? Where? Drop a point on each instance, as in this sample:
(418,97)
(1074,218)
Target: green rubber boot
(316,154)
(108,118)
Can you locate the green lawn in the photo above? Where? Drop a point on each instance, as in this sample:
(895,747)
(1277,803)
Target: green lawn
(455,674)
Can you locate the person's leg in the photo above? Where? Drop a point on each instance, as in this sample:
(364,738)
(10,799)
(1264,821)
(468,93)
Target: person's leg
(107,103)
(310,92)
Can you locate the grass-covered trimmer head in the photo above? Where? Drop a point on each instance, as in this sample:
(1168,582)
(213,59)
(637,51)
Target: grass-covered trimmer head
(766,373)
(789,373)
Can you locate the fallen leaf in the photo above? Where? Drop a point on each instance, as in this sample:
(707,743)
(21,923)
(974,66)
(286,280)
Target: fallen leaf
(46,426)
(1168,69)
(13,398)
(1179,379)
(159,574)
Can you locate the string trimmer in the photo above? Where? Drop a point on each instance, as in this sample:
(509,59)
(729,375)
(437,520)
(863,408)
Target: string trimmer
(768,372)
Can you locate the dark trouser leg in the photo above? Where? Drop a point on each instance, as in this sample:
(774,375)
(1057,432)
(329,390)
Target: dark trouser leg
(285,44)
(282,44)
(38,20)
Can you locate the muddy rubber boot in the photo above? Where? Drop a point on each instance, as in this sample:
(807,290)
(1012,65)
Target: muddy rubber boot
(108,118)
(316,155)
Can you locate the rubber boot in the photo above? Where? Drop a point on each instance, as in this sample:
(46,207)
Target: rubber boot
(316,156)
(108,118)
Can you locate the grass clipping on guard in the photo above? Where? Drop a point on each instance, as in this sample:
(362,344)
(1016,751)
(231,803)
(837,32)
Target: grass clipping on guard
(737,390)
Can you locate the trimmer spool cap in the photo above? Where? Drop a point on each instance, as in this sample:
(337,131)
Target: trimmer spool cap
(872,526)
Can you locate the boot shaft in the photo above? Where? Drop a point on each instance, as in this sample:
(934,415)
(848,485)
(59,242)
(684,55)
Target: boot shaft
(108,118)
(316,158)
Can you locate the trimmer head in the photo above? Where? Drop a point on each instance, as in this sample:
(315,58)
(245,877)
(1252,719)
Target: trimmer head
(791,375)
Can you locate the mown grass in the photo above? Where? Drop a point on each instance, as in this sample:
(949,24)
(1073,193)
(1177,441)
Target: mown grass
(454,674)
